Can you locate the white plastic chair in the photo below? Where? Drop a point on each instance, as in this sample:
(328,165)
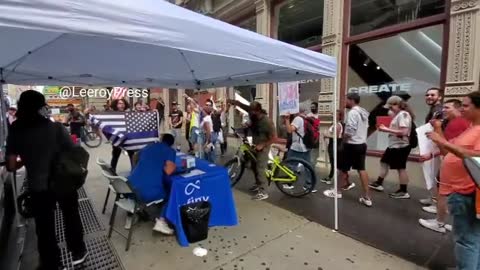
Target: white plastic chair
(127,200)
(106,169)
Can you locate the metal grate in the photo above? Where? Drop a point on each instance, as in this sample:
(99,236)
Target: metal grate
(90,222)
(82,194)
(101,255)
(66,257)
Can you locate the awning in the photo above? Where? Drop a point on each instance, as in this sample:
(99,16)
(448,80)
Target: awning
(143,43)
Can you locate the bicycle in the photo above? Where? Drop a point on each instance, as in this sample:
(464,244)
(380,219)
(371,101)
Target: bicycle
(90,136)
(285,173)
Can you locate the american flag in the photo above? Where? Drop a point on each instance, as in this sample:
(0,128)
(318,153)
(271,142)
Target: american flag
(129,130)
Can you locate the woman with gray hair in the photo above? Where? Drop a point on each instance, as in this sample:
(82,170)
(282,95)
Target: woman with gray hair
(396,155)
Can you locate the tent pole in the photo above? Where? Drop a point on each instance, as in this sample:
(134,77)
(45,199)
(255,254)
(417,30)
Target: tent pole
(335,155)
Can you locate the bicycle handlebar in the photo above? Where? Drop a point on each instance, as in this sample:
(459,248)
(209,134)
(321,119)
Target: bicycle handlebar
(244,137)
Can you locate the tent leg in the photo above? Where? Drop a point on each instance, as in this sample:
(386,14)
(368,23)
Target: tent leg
(335,156)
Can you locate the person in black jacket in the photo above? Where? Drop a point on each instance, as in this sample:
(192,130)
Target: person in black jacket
(36,141)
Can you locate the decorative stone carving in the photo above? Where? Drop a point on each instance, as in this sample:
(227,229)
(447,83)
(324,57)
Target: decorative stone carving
(461,90)
(464,6)
(327,98)
(463,60)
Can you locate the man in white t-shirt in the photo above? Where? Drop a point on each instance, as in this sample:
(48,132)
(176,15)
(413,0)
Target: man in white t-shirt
(207,127)
(297,129)
(314,115)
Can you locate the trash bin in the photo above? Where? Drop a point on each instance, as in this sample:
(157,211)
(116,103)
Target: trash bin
(195,219)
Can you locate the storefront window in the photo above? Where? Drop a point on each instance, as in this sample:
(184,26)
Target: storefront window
(309,92)
(248,93)
(374,14)
(406,64)
(300,22)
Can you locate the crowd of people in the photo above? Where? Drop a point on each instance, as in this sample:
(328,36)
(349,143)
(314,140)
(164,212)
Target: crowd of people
(456,132)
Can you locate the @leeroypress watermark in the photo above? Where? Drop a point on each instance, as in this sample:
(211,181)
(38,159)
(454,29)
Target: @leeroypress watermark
(113,93)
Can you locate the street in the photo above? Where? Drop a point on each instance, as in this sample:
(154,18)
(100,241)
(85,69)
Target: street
(268,237)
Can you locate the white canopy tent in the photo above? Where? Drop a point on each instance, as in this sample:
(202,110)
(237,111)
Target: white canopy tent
(142,43)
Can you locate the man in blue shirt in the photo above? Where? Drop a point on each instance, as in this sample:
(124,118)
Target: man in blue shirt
(155,163)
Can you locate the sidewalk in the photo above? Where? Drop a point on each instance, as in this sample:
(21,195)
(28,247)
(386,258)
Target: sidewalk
(268,237)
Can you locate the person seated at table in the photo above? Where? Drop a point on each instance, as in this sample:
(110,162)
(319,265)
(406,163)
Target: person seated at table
(149,181)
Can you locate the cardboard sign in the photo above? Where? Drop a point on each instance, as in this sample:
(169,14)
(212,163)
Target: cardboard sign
(288,98)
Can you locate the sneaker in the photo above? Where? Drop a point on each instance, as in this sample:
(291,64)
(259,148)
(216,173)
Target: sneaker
(365,201)
(428,201)
(80,258)
(313,190)
(288,186)
(433,225)
(432,209)
(254,188)
(376,186)
(448,227)
(331,194)
(327,181)
(260,196)
(350,186)
(400,195)
(161,226)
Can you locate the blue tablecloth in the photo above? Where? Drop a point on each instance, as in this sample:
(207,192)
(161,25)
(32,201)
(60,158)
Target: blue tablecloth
(213,185)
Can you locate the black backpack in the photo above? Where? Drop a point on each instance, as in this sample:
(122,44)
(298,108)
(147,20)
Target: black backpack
(216,122)
(69,169)
(413,138)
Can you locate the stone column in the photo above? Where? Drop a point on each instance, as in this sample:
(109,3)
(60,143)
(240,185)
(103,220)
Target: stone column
(331,45)
(463,71)
(263,27)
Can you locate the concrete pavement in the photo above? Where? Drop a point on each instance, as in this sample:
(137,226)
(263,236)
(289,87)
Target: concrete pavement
(268,237)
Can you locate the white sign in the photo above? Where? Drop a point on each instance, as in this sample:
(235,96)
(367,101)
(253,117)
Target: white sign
(55,111)
(288,98)
(425,145)
(387,88)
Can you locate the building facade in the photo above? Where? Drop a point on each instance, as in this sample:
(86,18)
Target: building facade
(382,47)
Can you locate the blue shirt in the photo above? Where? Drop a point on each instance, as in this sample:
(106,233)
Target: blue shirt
(147,178)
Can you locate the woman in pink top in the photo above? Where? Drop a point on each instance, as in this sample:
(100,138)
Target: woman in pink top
(459,187)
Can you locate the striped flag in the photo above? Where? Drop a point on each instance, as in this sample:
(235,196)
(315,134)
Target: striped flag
(129,130)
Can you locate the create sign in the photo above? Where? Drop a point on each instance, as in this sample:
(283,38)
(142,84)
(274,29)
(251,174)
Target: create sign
(387,88)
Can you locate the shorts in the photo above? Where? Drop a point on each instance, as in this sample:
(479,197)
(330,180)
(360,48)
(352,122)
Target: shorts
(195,135)
(352,156)
(396,158)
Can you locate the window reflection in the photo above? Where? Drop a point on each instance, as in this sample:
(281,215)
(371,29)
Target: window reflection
(300,22)
(368,15)
(405,64)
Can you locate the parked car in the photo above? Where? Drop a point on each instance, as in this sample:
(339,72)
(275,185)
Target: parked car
(9,248)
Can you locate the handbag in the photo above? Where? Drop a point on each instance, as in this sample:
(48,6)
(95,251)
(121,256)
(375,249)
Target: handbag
(472,164)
